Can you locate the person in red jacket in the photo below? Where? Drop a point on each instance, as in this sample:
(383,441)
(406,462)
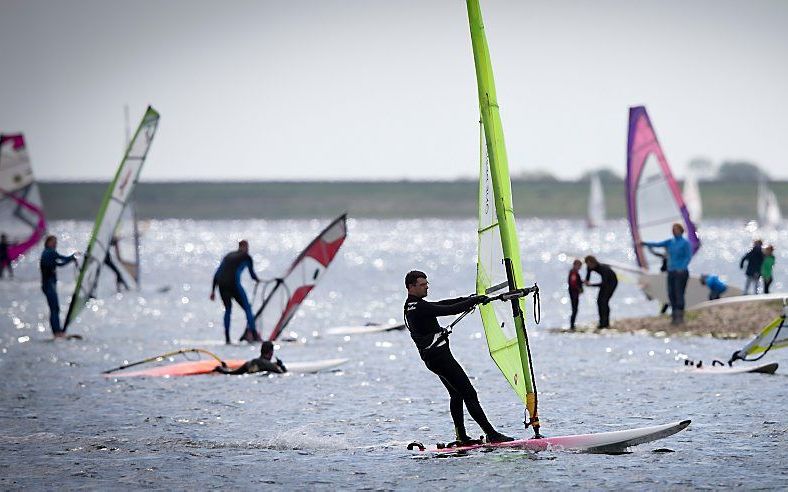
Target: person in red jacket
(575,289)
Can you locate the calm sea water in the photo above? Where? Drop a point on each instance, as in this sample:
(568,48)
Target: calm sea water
(66,426)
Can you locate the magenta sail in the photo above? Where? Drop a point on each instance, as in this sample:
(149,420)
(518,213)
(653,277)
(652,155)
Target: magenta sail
(304,273)
(654,199)
(21,211)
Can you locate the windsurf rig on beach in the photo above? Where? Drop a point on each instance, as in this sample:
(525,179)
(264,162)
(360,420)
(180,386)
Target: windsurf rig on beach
(111,212)
(282,296)
(21,209)
(772,336)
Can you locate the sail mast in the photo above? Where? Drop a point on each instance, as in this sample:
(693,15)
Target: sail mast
(501,349)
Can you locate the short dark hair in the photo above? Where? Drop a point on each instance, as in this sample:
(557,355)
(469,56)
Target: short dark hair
(413,276)
(49,239)
(243,243)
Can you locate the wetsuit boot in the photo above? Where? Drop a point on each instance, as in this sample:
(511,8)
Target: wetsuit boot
(496,436)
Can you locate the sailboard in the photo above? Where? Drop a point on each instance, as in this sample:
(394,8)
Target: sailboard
(110,213)
(596,202)
(692,198)
(769,214)
(282,301)
(21,208)
(765,368)
(207,366)
(499,274)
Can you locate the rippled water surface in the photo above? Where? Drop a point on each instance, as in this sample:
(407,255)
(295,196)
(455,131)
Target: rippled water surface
(66,426)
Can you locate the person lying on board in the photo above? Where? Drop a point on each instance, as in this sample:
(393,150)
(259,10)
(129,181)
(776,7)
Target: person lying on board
(228,279)
(433,344)
(607,285)
(260,364)
(50,260)
(715,284)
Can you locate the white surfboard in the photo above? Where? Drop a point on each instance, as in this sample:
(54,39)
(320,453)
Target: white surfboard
(307,366)
(737,299)
(743,368)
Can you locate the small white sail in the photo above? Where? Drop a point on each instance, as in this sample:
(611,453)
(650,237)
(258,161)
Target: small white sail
(769,214)
(596,203)
(691,193)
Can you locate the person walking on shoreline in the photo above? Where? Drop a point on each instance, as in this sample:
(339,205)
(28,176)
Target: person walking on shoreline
(679,255)
(754,260)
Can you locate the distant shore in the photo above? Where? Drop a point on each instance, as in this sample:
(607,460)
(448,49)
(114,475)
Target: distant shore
(733,321)
(372,199)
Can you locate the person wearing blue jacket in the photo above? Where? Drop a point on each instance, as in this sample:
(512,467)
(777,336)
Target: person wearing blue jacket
(715,284)
(679,256)
(228,279)
(50,261)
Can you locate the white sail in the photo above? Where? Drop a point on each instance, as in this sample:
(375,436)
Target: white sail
(769,214)
(691,193)
(596,203)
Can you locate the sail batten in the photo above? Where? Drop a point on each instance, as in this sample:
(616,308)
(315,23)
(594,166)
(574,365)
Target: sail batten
(111,211)
(499,265)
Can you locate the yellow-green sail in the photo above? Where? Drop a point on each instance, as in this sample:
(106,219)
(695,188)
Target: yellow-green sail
(504,323)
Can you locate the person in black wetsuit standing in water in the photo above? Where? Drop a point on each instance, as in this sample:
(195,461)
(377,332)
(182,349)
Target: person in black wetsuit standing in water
(433,344)
(606,286)
(50,261)
(228,279)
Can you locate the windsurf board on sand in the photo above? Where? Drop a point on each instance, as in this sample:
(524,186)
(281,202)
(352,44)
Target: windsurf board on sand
(361,330)
(206,366)
(602,442)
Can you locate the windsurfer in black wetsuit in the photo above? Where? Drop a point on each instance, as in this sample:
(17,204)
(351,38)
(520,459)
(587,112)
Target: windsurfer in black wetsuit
(607,286)
(433,344)
(264,363)
(5,259)
(119,282)
(228,279)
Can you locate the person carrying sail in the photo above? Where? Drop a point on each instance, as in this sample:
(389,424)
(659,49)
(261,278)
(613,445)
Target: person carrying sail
(575,284)
(50,260)
(607,285)
(5,258)
(228,279)
(432,341)
(264,363)
(679,256)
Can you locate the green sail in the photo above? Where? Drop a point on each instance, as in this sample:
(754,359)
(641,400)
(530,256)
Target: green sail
(504,323)
(111,211)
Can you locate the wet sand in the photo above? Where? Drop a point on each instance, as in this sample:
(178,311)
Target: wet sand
(733,321)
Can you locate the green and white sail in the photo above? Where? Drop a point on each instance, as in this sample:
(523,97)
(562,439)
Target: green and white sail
(111,211)
(499,268)
(772,336)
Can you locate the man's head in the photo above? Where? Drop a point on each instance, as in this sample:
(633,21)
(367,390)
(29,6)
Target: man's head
(577,264)
(768,249)
(591,261)
(416,283)
(50,242)
(267,350)
(243,246)
(3,238)
(678,229)
(758,243)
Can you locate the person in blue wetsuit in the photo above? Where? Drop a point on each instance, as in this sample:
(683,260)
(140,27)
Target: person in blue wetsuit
(50,260)
(679,256)
(228,279)
(715,284)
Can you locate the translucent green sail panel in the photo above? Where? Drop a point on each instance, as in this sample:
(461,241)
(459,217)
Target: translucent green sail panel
(504,324)
(773,336)
(111,211)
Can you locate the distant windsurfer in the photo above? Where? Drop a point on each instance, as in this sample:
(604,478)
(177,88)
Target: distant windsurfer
(264,363)
(716,286)
(679,256)
(228,279)
(119,282)
(607,286)
(50,260)
(5,258)
(754,260)
(575,284)
(433,344)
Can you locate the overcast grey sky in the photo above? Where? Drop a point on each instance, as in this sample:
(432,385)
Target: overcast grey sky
(364,89)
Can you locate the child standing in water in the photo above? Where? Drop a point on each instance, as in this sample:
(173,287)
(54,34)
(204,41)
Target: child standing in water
(766,267)
(575,289)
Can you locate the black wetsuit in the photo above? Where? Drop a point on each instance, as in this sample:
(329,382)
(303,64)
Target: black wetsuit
(421,320)
(228,279)
(575,289)
(5,262)
(50,260)
(606,286)
(259,364)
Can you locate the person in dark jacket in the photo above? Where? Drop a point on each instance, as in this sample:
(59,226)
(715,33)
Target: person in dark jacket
(607,285)
(432,341)
(754,260)
(575,284)
(50,261)
(264,363)
(5,259)
(228,279)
